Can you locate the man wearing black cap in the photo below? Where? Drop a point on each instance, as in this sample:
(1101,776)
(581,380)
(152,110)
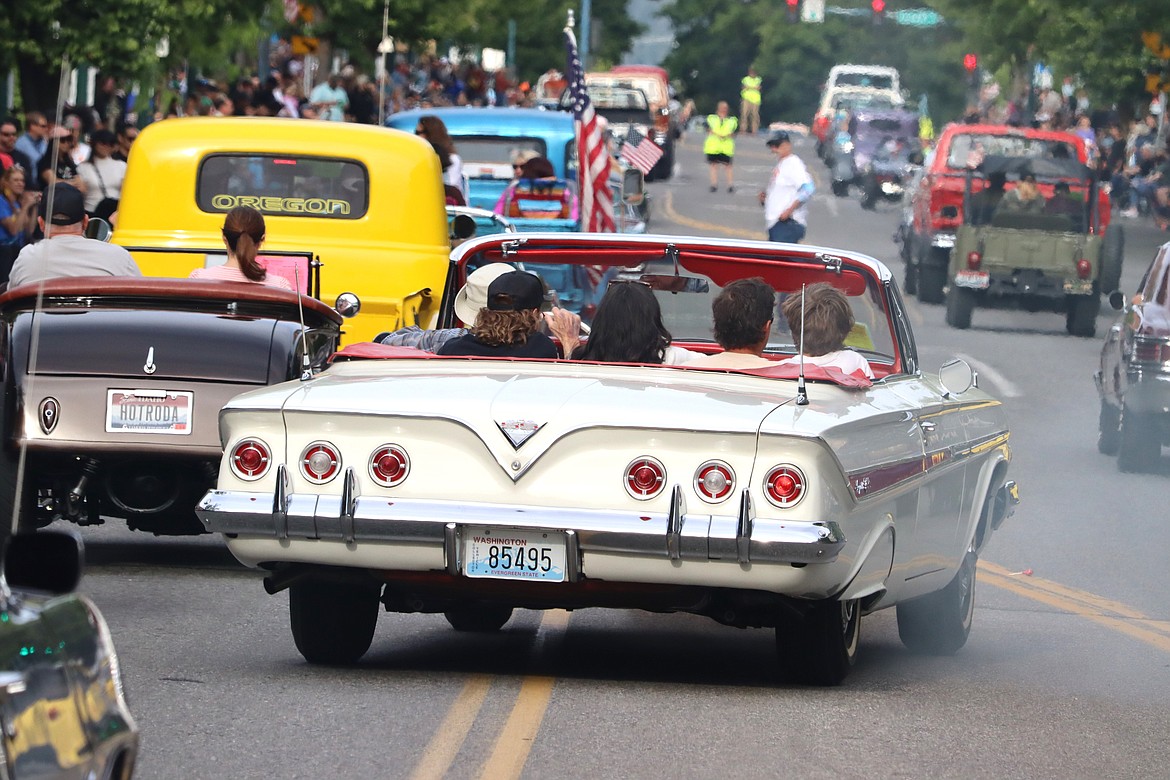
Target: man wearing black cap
(65,251)
(508,325)
(785,201)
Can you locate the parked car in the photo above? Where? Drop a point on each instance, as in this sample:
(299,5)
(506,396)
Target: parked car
(1134,378)
(333,188)
(741,495)
(1053,260)
(113,386)
(62,707)
(938,200)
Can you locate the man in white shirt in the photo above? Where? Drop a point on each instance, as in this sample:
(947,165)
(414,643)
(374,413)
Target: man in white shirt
(742,314)
(330,99)
(789,190)
(65,251)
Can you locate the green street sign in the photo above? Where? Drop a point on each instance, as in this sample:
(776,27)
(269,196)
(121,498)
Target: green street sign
(918,17)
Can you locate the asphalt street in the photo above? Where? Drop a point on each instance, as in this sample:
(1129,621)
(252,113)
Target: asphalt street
(1065,675)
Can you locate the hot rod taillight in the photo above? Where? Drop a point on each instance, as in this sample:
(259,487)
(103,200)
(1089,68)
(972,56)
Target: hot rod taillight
(1150,349)
(784,485)
(250,459)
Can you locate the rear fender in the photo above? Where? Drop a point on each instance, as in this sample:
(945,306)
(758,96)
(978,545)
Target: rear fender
(876,559)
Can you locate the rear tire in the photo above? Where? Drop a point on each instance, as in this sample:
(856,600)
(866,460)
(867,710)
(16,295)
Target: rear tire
(333,622)
(869,194)
(822,648)
(1139,445)
(910,279)
(1108,429)
(960,304)
(939,623)
(479,619)
(931,281)
(840,188)
(1081,319)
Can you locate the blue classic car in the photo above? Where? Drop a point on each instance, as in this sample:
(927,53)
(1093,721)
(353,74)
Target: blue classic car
(486,139)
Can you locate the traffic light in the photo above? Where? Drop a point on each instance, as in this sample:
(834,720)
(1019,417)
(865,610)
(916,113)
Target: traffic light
(879,8)
(970,62)
(793,10)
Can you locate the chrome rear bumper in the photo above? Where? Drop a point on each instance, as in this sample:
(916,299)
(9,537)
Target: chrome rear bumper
(349,518)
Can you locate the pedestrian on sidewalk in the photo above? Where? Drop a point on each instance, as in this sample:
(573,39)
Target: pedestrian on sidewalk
(786,198)
(749,105)
(720,145)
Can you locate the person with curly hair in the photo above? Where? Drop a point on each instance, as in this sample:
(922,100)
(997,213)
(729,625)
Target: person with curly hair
(510,324)
(627,328)
(827,320)
(432,129)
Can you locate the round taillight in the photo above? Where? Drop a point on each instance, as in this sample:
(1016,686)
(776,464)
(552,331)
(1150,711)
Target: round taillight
(320,462)
(784,485)
(714,481)
(645,478)
(250,459)
(974,260)
(389,465)
(1084,268)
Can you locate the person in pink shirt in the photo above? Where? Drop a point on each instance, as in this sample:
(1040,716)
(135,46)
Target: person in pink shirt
(243,233)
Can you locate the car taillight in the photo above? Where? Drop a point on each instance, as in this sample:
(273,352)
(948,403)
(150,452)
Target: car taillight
(974,260)
(389,465)
(320,462)
(784,486)
(645,478)
(1147,349)
(714,481)
(250,459)
(1084,268)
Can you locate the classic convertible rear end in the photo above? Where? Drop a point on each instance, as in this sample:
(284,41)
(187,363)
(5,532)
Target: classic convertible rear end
(113,388)
(475,486)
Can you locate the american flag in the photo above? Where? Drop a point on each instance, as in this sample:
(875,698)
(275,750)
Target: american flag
(639,151)
(592,155)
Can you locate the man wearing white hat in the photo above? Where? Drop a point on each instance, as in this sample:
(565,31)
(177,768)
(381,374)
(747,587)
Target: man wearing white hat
(468,301)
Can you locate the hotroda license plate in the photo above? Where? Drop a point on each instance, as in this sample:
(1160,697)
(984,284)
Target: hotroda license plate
(149,411)
(514,554)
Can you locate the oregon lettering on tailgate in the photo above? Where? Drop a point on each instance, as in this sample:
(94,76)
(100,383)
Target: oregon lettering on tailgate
(272,205)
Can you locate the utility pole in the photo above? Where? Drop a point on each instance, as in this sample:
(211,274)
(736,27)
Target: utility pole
(583,42)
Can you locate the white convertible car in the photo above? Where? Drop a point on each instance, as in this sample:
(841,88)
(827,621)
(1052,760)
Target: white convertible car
(473,486)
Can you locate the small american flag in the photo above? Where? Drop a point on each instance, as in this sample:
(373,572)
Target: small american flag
(592,155)
(639,151)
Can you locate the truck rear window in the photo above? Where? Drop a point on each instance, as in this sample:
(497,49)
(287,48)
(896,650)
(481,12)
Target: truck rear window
(283,185)
(964,144)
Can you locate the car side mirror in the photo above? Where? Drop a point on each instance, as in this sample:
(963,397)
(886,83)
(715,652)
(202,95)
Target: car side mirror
(633,185)
(47,561)
(98,229)
(1117,300)
(347,305)
(957,377)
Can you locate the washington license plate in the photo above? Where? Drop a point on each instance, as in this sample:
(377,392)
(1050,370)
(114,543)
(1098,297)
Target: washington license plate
(514,554)
(149,411)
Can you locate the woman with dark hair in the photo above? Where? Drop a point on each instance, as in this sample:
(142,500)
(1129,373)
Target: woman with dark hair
(243,233)
(509,326)
(627,328)
(433,130)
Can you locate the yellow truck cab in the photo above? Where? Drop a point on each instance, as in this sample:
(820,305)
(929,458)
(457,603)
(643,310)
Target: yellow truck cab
(367,203)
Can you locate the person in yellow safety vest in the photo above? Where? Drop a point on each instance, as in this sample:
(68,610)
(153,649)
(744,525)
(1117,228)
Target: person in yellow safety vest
(720,145)
(926,131)
(749,106)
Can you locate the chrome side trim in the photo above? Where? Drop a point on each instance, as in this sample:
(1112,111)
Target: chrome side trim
(428,523)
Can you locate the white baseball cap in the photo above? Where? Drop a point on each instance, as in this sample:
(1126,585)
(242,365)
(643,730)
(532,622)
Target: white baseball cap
(473,295)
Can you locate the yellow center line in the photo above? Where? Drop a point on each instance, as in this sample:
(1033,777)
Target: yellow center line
(1086,605)
(452,732)
(515,741)
(710,227)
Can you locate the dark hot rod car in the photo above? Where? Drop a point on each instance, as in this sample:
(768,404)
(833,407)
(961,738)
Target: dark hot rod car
(113,387)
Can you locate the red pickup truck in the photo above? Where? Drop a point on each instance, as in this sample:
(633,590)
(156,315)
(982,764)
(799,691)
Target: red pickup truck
(937,203)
